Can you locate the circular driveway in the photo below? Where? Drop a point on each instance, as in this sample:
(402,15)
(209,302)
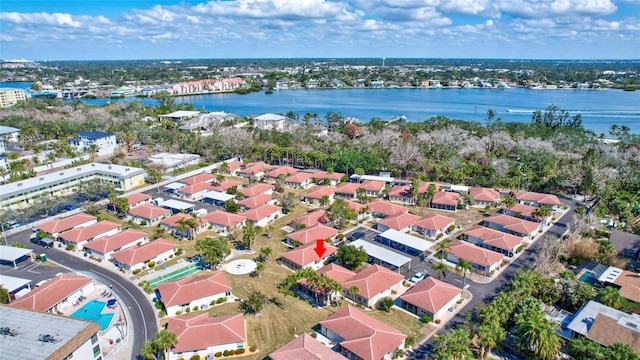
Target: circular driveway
(240,267)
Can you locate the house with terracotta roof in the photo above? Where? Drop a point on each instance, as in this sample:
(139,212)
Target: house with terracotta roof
(138,257)
(311,219)
(201,335)
(105,246)
(280,171)
(199,178)
(401,222)
(432,225)
(222,221)
(147,214)
(233,167)
(363,211)
(315,195)
(225,184)
(347,190)
(484,196)
(56,294)
(255,201)
(373,188)
(526,212)
(382,209)
(359,336)
(305,347)
(445,200)
(301,180)
(257,189)
(481,259)
(306,256)
(188,292)
(172,225)
(193,192)
(430,297)
(55,227)
(255,170)
(627,282)
(263,215)
(80,236)
(537,199)
(138,199)
(493,240)
(325,178)
(311,234)
(374,283)
(332,271)
(512,225)
(401,194)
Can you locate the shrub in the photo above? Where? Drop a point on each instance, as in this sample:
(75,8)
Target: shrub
(451,228)
(426,319)
(218,354)
(459,301)
(152,264)
(143,223)
(252,348)
(520,248)
(170,256)
(136,271)
(225,353)
(221,300)
(195,308)
(239,351)
(179,252)
(162,314)
(314,334)
(187,310)
(195,357)
(410,341)
(437,321)
(70,247)
(439,236)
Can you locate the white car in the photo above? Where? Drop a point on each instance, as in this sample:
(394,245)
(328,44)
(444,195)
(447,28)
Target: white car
(417,277)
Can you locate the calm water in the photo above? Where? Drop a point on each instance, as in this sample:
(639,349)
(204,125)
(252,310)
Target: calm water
(600,108)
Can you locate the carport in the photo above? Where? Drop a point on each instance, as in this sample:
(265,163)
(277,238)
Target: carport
(177,206)
(381,256)
(217,198)
(171,188)
(403,242)
(15,285)
(10,255)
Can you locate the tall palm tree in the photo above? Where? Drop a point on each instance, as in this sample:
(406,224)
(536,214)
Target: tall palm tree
(266,253)
(538,335)
(508,202)
(334,288)
(462,267)
(353,291)
(440,269)
(259,269)
(490,334)
(610,296)
(443,248)
(165,340)
(184,226)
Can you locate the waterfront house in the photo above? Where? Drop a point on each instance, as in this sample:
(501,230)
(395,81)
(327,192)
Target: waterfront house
(269,122)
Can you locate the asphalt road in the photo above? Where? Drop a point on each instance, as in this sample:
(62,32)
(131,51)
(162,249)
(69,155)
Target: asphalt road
(142,317)
(484,293)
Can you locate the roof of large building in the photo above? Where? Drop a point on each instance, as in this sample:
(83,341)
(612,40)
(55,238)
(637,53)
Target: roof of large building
(223,218)
(52,292)
(137,254)
(188,289)
(313,233)
(111,243)
(270,117)
(431,294)
(261,212)
(474,254)
(305,254)
(386,208)
(68,334)
(364,336)
(494,238)
(434,222)
(68,223)
(373,280)
(305,347)
(399,221)
(89,232)
(542,199)
(197,332)
(148,211)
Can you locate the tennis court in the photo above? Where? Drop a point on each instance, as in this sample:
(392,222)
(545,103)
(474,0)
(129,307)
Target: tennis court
(175,275)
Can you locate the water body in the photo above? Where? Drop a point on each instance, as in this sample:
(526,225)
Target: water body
(599,108)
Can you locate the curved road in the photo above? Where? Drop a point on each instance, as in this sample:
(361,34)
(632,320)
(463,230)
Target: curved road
(142,314)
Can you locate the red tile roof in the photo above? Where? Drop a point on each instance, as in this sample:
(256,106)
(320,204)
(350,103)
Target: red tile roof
(347,188)
(494,237)
(311,234)
(89,232)
(261,212)
(223,185)
(188,289)
(386,208)
(137,254)
(299,178)
(542,199)
(255,201)
(513,223)
(281,170)
(373,185)
(52,292)
(305,254)
(234,165)
(431,294)
(223,218)
(195,188)
(304,347)
(59,225)
(310,219)
(629,283)
(355,206)
(172,221)
(110,243)
(484,194)
(336,272)
(319,191)
(256,189)
(137,198)
(434,222)
(255,168)
(364,336)
(336,176)
(198,179)
(524,210)
(400,191)
(373,280)
(446,198)
(197,332)
(399,221)
(474,254)
(148,211)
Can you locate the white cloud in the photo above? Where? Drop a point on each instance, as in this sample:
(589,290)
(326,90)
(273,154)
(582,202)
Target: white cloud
(551,8)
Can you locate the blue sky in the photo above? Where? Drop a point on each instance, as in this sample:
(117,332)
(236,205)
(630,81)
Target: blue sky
(143,29)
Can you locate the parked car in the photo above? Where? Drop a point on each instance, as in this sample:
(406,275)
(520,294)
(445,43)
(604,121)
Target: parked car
(46,243)
(417,277)
(356,235)
(69,207)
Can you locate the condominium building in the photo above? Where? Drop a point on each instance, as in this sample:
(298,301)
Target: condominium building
(10,96)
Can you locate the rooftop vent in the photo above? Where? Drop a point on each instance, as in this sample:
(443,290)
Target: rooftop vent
(46,338)
(62,173)
(42,178)
(19,184)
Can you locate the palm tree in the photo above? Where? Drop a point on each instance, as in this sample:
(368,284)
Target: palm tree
(249,234)
(443,248)
(353,291)
(508,202)
(387,303)
(259,269)
(269,231)
(462,267)
(335,288)
(223,168)
(440,269)
(185,225)
(537,334)
(93,153)
(165,340)
(285,291)
(490,334)
(611,297)
(265,253)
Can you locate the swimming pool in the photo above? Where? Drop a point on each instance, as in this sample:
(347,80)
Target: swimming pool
(93,311)
(588,277)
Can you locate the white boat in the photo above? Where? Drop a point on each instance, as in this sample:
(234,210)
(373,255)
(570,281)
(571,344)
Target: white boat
(535,86)
(502,85)
(123,92)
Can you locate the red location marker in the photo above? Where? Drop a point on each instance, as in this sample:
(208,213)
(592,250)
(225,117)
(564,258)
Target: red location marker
(320,248)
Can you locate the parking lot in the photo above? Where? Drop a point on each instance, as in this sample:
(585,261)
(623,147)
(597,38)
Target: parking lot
(33,270)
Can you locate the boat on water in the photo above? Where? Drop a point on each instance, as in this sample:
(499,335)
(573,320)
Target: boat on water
(535,86)
(124,91)
(502,85)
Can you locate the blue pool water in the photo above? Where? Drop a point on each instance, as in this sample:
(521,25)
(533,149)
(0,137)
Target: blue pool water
(93,311)
(588,277)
